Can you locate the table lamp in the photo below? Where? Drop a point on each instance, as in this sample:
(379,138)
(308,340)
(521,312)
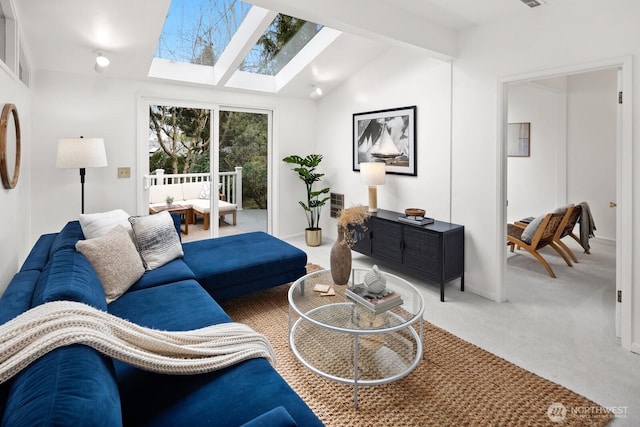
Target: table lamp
(81,153)
(373,174)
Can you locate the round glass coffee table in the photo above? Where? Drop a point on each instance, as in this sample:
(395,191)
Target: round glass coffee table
(345,341)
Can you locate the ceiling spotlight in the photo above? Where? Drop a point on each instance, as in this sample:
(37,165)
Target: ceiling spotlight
(316,92)
(102,62)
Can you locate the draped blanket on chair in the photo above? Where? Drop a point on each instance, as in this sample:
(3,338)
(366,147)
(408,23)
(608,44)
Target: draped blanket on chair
(44,328)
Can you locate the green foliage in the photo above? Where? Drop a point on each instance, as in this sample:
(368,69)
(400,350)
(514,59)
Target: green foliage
(306,171)
(243,142)
(284,38)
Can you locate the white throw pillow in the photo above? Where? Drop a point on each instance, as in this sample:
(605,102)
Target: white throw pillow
(156,239)
(115,259)
(531,229)
(98,224)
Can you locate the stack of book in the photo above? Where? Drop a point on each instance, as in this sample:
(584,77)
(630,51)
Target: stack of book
(415,220)
(377,303)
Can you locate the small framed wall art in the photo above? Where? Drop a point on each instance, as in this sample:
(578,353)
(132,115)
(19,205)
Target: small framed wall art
(387,136)
(519,139)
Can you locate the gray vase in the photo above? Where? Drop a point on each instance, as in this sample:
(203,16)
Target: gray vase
(340,260)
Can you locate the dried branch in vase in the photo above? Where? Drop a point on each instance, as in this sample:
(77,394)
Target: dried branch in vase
(352,222)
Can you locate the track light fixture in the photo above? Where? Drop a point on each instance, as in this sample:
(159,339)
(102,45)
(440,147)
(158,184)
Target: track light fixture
(102,62)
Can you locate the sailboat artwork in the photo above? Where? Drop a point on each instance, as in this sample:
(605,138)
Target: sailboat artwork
(384,148)
(386,136)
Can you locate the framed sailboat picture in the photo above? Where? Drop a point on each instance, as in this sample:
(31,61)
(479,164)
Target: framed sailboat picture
(387,136)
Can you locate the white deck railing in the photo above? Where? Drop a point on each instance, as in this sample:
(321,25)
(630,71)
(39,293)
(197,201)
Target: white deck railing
(230,182)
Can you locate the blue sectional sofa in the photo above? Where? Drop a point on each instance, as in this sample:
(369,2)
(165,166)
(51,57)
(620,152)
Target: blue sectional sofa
(76,385)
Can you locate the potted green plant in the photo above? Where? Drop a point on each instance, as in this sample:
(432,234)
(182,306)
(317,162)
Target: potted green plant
(306,170)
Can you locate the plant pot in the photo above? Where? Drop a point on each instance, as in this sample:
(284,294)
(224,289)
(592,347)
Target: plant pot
(313,236)
(340,260)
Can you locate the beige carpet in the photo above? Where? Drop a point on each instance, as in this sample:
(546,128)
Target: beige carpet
(457,383)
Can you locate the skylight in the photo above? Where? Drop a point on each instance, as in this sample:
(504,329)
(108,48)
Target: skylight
(232,43)
(197,32)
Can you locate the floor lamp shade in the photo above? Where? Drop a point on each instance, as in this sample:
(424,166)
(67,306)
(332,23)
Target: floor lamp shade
(81,153)
(373,174)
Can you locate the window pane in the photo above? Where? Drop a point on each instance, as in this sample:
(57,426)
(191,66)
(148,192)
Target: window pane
(198,31)
(283,40)
(3,35)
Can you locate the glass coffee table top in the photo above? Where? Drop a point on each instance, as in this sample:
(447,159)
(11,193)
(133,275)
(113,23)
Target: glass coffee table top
(337,312)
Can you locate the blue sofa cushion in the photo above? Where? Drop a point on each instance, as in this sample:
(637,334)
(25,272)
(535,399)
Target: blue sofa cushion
(215,398)
(173,271)
(231,266)
(16,300)
(69,277)
(39,254)
(17,297)
(228,397)
(70,386)
(67,238)
(277,417)
(178,306)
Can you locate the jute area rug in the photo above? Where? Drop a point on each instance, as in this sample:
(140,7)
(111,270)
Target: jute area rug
(457,383)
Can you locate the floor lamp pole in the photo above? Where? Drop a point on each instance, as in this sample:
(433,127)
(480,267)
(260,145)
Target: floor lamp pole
(82,173)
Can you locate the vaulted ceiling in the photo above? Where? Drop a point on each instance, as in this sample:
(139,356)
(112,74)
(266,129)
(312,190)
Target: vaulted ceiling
(63,35)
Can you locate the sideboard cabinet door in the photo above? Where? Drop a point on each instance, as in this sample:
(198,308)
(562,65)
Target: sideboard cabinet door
(422,252)
(386,241)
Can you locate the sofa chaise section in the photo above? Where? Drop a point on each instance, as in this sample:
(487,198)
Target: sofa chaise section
(231,266)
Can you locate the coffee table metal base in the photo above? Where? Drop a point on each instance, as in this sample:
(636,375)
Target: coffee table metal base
(356,379)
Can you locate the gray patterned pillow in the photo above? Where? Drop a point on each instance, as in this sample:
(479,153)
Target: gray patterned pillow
(115,259)
(156,238)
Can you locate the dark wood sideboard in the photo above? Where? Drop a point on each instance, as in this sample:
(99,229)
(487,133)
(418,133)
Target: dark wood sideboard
(434,252)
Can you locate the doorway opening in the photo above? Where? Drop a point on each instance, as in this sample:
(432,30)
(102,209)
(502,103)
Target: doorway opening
(557,181)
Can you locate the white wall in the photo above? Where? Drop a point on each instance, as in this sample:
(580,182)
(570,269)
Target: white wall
(560,35)
(398,78)
(67,105)
(15,203)
(591,124)
(535,184)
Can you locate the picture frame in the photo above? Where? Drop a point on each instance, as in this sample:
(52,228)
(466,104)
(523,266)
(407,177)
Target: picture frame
(519,139)
(386,136)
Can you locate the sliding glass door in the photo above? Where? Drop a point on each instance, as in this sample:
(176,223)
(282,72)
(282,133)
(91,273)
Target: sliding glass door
(213,160)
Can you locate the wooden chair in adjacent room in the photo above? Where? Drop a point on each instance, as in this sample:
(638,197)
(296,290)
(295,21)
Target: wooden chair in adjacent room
(546,233)
(571,219)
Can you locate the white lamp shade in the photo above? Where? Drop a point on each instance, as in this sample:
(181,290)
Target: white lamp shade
(373,173)
(81,153)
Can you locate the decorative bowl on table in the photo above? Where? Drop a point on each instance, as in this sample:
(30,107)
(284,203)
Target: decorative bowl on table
(414,212)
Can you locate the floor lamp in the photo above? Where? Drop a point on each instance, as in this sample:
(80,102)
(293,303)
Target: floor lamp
(81,153)
(373,174)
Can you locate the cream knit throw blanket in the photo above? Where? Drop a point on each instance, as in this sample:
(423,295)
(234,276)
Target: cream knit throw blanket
(49,326)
